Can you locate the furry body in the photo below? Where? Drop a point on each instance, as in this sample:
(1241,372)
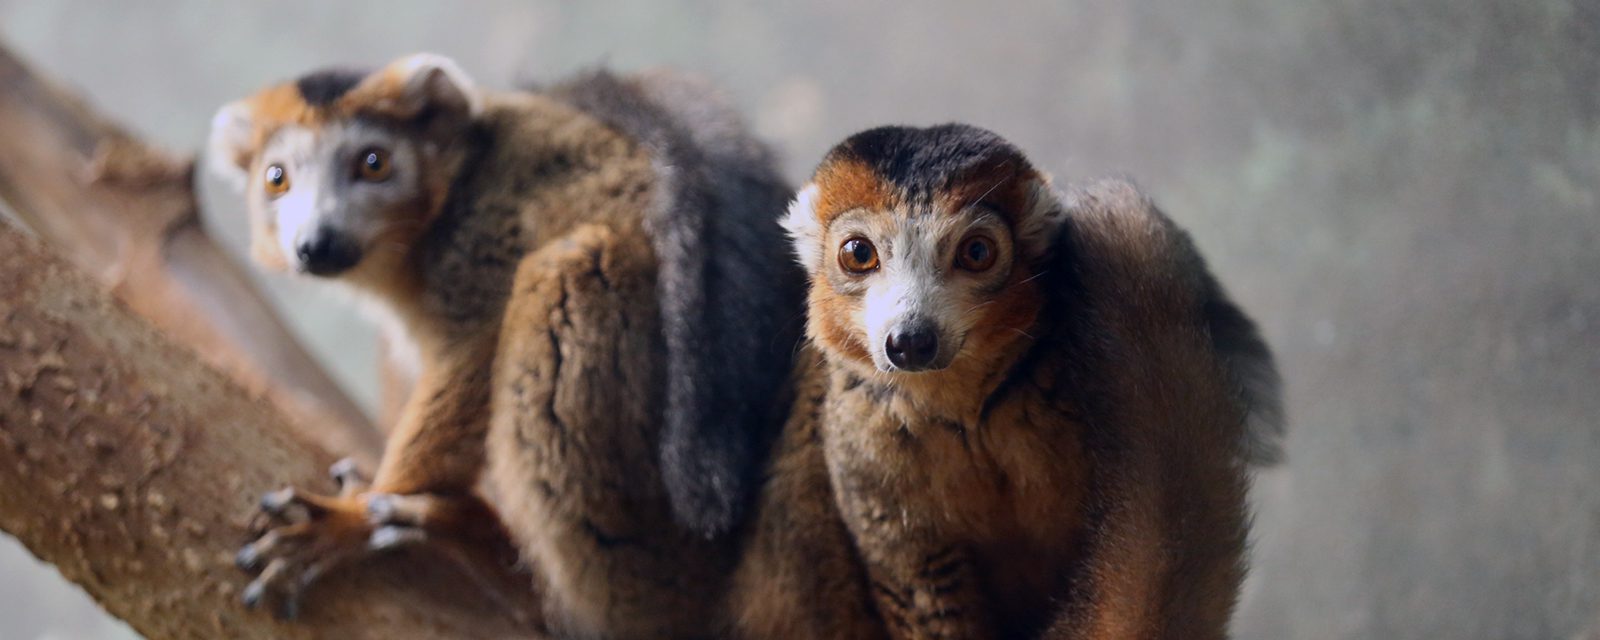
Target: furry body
(1071,458)
(575,268)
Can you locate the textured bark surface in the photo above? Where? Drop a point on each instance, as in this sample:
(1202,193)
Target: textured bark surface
(134,468)
(126,213)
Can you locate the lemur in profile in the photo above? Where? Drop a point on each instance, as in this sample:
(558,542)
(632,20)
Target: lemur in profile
(594,288)
(1041,411)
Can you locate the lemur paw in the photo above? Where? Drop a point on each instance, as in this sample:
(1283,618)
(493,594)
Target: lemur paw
(300,537)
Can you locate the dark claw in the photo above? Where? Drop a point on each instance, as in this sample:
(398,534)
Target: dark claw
(380,508)
(277,502)
(252,594)
(248,559)
(262,522)
(393,536)
(344,472)
(289,609)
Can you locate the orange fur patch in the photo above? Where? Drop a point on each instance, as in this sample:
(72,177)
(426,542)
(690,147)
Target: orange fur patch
(846,184)
(275,107)
(283,104)
(830,322)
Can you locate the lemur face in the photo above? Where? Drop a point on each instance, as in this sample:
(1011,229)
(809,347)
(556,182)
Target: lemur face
(922,245)
(340,166)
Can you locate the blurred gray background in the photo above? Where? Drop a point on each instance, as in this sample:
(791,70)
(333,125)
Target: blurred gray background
(1404,194)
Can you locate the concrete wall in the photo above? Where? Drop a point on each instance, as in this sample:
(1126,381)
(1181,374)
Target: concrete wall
(1404,194)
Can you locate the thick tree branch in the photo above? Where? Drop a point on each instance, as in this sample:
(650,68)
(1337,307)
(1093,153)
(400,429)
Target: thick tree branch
(126,213)
(133,467)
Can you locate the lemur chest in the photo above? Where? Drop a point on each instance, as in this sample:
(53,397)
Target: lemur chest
(1009,482)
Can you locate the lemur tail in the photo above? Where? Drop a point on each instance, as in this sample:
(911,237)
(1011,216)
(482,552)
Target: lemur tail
(728,295)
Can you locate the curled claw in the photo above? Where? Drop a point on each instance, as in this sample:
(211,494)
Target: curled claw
(347,474)
(277,503)
(256,592)
(270,543)
(382,509)
(285,586)
(395,536)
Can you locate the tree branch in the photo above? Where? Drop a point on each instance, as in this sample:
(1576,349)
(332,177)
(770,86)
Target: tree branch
(133,467)
(126,213)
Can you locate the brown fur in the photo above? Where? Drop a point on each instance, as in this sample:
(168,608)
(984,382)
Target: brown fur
(532,295)
(1166,551)
(799,576)
(1073,471)
(573,456)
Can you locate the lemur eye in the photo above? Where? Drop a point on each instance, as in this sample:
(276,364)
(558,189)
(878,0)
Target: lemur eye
(373,165)
(277,180)
(857,255)
(976,254)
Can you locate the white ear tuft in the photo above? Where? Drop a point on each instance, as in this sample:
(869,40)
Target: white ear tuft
(434,81)
(1040,223)
(229,148)
(805,231)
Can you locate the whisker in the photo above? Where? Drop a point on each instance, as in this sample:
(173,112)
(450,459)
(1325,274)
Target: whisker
(1031,278)
(991,190)
(1035,276)
(792,318)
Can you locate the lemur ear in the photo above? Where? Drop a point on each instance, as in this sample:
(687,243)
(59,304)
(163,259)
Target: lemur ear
(1040,223)
(805,231)
(425,83)
(231,144)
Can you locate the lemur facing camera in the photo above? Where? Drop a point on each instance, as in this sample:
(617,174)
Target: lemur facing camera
(1036,421)
(594,289)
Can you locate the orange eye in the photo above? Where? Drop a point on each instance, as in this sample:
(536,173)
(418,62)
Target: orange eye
(277,180)
(373,165)
(977,253)
(857,255)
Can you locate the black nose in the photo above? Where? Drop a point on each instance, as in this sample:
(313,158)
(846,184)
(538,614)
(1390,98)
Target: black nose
(328,252)
(913,347)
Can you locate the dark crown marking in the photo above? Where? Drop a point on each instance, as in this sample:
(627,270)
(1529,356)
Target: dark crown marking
(923,163)
(322,88)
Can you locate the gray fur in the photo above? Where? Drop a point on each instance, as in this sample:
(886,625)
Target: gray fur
(729,297)
(1250,366)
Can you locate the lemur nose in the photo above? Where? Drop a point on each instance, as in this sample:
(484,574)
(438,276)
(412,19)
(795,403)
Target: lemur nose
(327,252)
(912,348)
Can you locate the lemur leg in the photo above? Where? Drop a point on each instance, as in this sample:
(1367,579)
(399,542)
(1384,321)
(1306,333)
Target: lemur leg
(422,494)
(573,443)
(923,588)
(924,582)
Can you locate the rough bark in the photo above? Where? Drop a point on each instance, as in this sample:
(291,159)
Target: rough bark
(133,467)
(125,212)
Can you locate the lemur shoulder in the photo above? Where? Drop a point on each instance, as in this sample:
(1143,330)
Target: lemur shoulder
(1036,415)
(593,280)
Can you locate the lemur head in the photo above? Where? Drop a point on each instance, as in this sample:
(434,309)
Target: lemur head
(922,245)
(340,165)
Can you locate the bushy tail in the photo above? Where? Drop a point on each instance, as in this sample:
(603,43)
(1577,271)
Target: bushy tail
(728,295)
